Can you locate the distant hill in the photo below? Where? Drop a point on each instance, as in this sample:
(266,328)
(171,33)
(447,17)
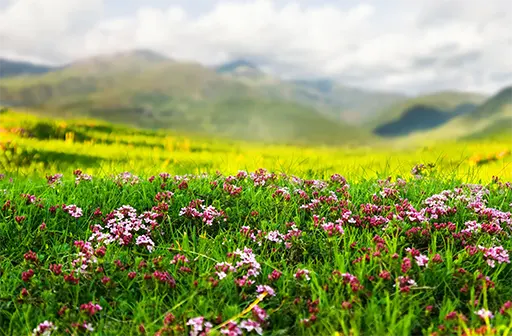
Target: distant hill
(148,90)
(491,119)
(9,68)
(424,112)
(239,67)
(357,105)
(344,103)
(497,105)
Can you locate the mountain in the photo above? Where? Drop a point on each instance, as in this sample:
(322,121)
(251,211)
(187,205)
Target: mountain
(424,113)
(498,105)
(491,119)
(343,103)
(142,89)
(9,68)
(356,105)
(240,67)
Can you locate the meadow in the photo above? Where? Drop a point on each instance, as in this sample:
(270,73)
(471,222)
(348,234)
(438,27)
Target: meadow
(107,230)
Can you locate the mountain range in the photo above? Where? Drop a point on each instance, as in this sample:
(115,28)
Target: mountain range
(236,99)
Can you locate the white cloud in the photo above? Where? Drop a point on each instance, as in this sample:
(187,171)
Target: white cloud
(392,45)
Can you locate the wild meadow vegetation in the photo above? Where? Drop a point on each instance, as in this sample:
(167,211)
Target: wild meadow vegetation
(108,230)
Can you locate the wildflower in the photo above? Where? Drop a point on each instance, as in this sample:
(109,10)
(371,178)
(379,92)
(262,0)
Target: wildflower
(73,210)
(265,289)
(199,325)
(302,273)
(54,179)
(165,277)
(144,240)
(251,325)
(506,307)
(275,275)
(56,269)
(493,254)
(421,260)
(259,313)
(451,316)
(44,329)
(30,256)
(231,329)
(346,305)
(385,275)
(168,319)
(484,314)
(275,236)
(406,265)
(26,276)
(437,258)
(126,178)
(90,308)
(207,214)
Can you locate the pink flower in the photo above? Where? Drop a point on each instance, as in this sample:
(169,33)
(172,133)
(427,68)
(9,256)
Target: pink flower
(421,260)
(73,210)
(90,308)
(251,325)
(199,325)
(492,254)
(44,329)
(259,313)
(265,289)
(231,329)
(484,314)
(302,273)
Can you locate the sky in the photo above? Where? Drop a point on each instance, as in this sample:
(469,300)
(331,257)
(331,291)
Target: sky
(411,46)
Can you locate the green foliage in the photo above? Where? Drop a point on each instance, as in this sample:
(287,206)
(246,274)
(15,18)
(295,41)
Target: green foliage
(13,157)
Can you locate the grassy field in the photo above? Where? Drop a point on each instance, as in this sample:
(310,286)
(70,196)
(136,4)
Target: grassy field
(166,234)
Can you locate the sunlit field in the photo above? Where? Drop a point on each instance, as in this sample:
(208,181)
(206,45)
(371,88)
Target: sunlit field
(34,145)
(109,230)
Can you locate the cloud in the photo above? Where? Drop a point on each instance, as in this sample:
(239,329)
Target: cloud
(393,45)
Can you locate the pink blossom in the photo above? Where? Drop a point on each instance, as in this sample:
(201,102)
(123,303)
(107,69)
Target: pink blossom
(265,289)
(199,325)
(302,273)
(251,325)
(421,260)
(73,210)
(484,314)
(44,329)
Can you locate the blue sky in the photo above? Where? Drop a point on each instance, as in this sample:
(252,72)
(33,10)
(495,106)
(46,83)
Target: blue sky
(401,45)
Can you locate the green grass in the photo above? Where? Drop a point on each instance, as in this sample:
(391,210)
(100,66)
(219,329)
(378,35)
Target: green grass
(374,306)
(370,249)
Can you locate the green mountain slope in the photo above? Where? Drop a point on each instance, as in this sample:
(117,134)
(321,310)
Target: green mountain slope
(9,68)
(492,119)
(424,113)
(497,105)
(344,103)
(144,89)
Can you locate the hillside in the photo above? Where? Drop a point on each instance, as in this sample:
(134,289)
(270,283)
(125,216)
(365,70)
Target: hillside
(497,105)
(492,119)
(348,104)
(424,112)
(143,89)
(9,68)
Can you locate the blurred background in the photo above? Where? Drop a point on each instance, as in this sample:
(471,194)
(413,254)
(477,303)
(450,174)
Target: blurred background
(312,87)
